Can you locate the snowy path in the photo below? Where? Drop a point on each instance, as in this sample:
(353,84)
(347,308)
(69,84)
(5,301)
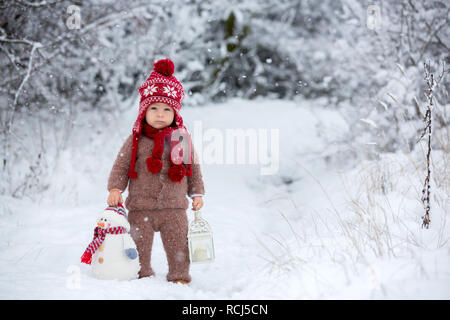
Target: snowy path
(264,230)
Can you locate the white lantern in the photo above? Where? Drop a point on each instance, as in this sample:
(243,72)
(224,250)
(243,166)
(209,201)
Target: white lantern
(201,246)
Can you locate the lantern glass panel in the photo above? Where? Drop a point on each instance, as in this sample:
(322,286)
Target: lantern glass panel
(201,246)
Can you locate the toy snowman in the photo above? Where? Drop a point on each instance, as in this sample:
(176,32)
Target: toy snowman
(112,253)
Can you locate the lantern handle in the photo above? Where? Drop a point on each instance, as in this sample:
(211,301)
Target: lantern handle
(197,215)
(198,223)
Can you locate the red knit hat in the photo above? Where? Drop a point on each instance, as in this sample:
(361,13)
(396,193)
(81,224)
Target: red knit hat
(160,86)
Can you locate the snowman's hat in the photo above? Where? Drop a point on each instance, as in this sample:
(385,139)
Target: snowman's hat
(117,214)
(119,209)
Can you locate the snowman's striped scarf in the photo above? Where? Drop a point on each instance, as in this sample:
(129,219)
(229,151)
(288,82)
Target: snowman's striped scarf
(99,237)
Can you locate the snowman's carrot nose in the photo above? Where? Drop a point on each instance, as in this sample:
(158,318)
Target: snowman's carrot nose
(101,224)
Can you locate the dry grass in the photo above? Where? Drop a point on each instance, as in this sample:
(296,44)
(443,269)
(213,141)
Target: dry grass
(380,221)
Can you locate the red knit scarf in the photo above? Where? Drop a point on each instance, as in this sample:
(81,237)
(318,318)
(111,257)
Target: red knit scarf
(99,237)
(177,170)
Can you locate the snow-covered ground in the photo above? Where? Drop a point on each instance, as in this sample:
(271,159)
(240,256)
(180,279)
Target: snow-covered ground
(313,230)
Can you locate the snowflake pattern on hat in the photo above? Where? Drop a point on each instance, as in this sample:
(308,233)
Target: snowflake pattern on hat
(170,91)
(150,90)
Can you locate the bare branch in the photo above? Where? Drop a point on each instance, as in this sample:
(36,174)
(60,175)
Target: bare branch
(43,3)
(36,45)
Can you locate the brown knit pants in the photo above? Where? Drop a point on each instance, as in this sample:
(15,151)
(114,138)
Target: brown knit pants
(173,226)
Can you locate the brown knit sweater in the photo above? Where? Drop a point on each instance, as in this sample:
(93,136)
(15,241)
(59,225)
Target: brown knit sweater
(153,191)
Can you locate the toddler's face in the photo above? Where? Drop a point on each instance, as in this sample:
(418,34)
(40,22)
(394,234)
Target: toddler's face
(159,115)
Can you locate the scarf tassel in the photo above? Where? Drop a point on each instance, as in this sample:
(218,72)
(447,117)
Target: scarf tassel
(99,236)
(132,174)
(176,173)
(154,165)
(86,257)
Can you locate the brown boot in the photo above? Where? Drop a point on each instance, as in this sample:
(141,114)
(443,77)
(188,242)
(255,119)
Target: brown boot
(143,274)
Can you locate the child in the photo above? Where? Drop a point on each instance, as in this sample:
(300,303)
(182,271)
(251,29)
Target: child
(161,166)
